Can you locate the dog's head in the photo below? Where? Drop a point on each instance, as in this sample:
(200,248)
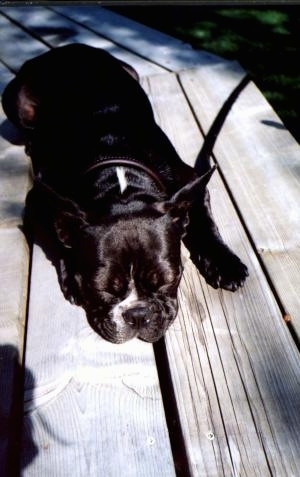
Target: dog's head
(127,267)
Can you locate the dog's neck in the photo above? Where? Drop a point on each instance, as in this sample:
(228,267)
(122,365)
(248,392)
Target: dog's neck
(139,186)
(124,161)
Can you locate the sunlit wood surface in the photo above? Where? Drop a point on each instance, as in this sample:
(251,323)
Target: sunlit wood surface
(221,395)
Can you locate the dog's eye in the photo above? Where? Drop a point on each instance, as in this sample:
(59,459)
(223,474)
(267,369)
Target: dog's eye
(158,279)
(118,285)
(153,279)
(170,283)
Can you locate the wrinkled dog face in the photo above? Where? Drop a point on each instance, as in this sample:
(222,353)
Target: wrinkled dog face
(128,277)
(126,268)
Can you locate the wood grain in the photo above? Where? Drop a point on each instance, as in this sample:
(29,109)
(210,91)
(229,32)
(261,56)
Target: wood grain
(85,400)
(14,263)
(227,351)
(56,30)
(17,46)
(259,160)
(157,47)
(91,407)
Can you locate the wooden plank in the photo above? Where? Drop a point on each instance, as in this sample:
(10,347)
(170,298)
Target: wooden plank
(92,408)
(17,46)
(56,30)
(85,400)
(14,261)
(239,410)
(170,53)
(259,160)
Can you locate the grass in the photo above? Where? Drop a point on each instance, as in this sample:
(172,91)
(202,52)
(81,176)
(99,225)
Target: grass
(265,41)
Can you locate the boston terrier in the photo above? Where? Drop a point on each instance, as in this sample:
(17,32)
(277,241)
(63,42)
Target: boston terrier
(113,193)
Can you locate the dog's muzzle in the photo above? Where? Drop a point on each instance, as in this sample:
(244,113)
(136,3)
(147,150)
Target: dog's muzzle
(137,317)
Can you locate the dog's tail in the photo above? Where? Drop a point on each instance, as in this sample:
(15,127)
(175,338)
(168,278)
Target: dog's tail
(202,164)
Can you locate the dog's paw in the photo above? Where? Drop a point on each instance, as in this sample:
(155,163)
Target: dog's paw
(69,293)
(221,268)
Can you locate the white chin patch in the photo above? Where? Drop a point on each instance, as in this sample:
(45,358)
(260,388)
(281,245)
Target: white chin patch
(128,302)
(120,171)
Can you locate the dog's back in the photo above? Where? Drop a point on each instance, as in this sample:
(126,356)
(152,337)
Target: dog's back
(73,79)
(74,103)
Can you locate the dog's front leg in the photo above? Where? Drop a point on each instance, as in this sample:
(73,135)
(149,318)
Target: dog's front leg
(67,279)
(220,267)
(38,228)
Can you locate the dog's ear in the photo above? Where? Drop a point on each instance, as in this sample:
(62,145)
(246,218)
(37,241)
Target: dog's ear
(27,107)
(68,217)
(182,200)
(67,224)
(20,104)
(133,73)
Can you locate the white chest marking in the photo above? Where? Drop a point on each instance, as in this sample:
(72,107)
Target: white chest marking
(121,178)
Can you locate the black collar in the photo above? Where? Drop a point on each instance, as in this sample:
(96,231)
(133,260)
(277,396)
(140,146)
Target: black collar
(125,161)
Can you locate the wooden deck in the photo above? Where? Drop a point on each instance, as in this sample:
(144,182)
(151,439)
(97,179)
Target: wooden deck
(221,395)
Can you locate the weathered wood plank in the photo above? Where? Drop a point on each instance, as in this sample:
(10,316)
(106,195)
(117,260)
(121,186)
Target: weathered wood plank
(239,410)
(92,408)
(259,160)
(14,263)
(56,30)
(17,46)
(85,400)
(157,47)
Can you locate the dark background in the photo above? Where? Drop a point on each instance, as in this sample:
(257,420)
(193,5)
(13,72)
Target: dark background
(265,40)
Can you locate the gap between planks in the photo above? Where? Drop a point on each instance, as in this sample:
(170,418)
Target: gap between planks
(282,306)
(225,361)
(259,166)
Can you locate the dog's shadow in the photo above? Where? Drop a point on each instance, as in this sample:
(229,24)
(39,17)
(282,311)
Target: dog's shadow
(34,215)
(35,226)
(38,231)
(12,134)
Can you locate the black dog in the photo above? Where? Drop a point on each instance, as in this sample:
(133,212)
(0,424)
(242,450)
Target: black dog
(110,186)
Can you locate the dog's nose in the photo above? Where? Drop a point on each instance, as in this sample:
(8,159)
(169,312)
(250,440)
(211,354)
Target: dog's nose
(137,317)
